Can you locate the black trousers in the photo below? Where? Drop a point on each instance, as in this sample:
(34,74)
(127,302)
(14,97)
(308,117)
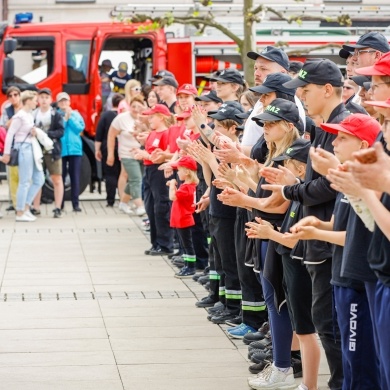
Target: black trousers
(185,238)
(158,208)
(72,165)
(199,239)
(322,312)
(253,308)
(222,235)
(111,176)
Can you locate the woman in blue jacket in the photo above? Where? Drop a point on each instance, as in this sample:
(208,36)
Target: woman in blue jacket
(72,148)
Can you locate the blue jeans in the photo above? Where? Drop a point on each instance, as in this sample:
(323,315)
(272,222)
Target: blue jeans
(30,178)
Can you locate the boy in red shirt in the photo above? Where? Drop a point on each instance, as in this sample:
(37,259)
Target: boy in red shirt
(183,206)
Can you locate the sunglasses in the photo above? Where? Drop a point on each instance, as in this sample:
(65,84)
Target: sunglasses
(136,89)
(13,94)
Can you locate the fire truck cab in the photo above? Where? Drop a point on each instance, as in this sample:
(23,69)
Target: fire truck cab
(66,57)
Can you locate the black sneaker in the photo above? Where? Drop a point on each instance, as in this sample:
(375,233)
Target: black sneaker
(256,336)
(35,212)
(77,209)
(218,306)
(10,208)
(221,318)
(264,329)
(261,344)
(258,357)
(171,256)
(197,276)
(147,252)
(57,213)
(159,252)
(237,320)
(296,364)
(203,279)
(205,302)
(177,257)
(258,367)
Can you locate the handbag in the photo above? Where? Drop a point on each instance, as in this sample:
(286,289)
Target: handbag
(14,154)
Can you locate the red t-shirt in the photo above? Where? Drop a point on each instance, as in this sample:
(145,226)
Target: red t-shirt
(175,132)
(156,140)
(184,206)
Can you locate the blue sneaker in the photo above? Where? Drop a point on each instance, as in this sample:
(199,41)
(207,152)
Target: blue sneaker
(235,328)
(240,332)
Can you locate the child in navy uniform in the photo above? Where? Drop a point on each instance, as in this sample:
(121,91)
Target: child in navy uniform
(183,207)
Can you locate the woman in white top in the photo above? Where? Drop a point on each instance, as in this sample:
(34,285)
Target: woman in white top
(31,179)
(123,128)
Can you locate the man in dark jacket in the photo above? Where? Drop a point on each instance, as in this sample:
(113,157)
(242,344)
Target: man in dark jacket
(50,120)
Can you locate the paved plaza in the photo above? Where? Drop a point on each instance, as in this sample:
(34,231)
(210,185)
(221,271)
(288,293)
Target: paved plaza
(82,308)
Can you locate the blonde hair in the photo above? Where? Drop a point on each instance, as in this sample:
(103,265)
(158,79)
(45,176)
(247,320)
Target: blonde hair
(27,95)
(291,135)
(192,175)
(168,120)
(128,86)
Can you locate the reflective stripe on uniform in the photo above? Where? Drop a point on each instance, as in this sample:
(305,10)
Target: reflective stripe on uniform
(233,294)
(213,275)
(253,306)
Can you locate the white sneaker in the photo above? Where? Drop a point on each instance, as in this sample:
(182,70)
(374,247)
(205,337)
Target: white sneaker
(30,215)
(140,211)
(125,209)
(24,218)
(273,379)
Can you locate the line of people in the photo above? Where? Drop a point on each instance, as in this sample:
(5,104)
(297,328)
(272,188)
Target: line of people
(290,217)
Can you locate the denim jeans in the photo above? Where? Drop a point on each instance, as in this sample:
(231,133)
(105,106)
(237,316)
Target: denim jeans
(30,178)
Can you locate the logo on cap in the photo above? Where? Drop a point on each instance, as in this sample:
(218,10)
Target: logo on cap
(289,150)
(302,74)
(273,109)
(222,73)
(265,50)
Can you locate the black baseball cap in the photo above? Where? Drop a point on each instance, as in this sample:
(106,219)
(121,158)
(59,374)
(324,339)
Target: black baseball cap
(210,97)
(274,82)
(367,85)
(162,73)
(167,80)
(47,91)
(299,150)
(360,80)
(295,66)
(318,71)
(373,40)
(228,110)
(345,53)
(273,54)
(277,110)
(244,115)
(229,75)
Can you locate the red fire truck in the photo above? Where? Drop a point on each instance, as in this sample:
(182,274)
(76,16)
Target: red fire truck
(66,57)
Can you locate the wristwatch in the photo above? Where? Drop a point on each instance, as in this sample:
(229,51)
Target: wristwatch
(203,126)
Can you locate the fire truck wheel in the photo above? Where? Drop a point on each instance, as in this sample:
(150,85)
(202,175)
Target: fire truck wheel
(85,179)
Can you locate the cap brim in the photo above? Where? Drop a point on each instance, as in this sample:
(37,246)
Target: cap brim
(253,55)
(383,104)
(265,117)
(240,128)
(295,83)
(370,71)
(360,80)
(282,157)
(367,85)
(262,89)
(186,92)
(174,165)
(334,128)
(353,47)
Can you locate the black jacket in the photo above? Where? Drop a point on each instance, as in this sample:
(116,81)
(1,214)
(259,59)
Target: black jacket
(55,132)
(315,194)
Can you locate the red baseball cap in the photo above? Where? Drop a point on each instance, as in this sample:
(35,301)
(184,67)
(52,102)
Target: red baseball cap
(188,89)
(361,126)
(380,68)
(158,109)
(185,114)
(384,104)
(185,162)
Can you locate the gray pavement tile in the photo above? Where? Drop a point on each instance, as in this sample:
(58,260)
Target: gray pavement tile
(59,374)
(57,359)
(66,385)
(120,322)
(52,323)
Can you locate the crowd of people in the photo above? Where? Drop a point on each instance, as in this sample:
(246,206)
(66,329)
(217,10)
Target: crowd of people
(276,194)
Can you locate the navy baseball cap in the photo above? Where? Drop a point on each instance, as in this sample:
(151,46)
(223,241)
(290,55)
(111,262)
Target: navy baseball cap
(167,80)
(273,54)
(47,91)
(277,110)
(317,71)
(360,80)
(229,75)
(228,110)
(274,83)
(210,97)
(299,150)
(244,115)
(295,66)
(373,40)
(162,73)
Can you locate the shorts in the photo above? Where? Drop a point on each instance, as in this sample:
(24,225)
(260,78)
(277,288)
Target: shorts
(54,167)
(298,290)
